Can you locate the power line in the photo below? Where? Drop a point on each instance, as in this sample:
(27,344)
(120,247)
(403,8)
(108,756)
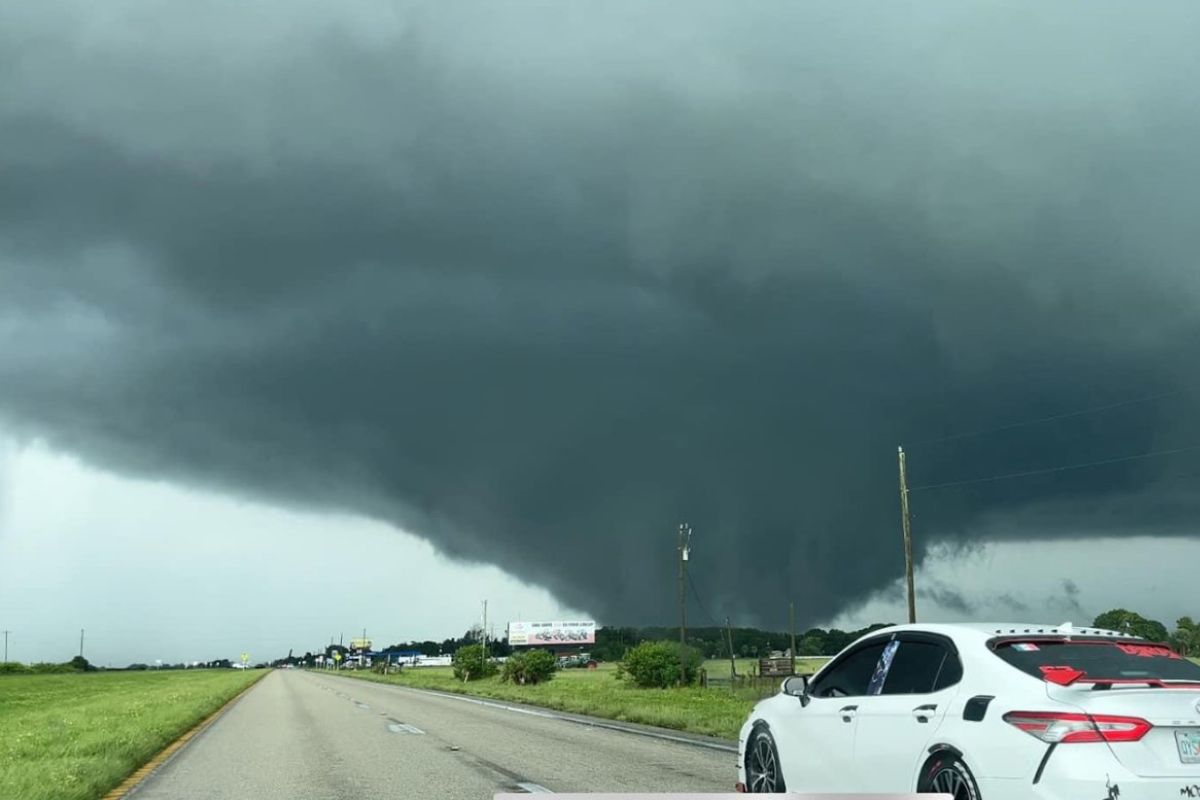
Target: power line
(699,602)
(1065,468)
(1054,417)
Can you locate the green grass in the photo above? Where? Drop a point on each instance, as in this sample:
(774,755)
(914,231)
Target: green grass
(598,693)
(74,737)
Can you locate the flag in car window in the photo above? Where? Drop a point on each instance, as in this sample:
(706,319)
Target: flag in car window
(881,669)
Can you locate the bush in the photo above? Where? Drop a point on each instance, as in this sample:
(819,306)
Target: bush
(656,665)
(13,668)
(470,665)
(535,666)
(49,668)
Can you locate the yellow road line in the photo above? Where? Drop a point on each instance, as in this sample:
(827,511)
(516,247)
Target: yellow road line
(129,784)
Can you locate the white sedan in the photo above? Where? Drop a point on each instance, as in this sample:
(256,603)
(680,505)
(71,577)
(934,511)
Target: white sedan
(984,712)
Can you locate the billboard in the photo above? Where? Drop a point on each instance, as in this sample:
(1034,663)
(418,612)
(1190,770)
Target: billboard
(551,633)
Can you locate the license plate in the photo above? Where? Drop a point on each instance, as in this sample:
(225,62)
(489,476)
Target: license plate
(1189,745)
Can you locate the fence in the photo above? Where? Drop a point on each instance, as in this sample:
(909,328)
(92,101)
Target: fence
(757,684)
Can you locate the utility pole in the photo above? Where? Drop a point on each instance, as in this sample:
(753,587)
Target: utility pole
(792,627)
(6,633)
(904,520)
(483,636)
(685,540)
(81,642)
(732,661)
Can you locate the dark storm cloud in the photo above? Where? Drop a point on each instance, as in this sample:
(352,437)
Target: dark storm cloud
(539,284)
(938,593)
(1067,603)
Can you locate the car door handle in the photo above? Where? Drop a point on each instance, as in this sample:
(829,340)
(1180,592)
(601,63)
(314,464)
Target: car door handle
(848,712)
(923,713)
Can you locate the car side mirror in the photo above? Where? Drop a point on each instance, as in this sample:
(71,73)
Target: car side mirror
(797,686)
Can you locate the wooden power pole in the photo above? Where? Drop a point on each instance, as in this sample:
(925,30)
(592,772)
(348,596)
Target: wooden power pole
(792,628)
(685,538)
(732,660)
(905,522)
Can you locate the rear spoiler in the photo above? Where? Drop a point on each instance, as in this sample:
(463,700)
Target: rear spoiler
(1074,638)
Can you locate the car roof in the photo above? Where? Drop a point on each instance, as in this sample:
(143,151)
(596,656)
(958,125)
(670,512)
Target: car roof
(987,630)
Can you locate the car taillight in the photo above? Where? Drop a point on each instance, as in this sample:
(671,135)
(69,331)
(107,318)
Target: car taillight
(1054,727)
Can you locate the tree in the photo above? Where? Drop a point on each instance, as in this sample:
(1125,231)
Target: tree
(1125,621)
(470,664)
(657,665)
(1186,638)
(533,666)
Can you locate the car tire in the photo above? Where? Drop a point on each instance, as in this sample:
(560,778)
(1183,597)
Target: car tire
(946,773)
(763,773)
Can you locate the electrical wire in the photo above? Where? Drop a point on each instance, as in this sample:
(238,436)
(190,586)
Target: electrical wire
(724,645)
(699,602)
(1049,470)
(1052,418)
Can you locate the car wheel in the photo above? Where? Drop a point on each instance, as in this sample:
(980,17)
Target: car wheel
(763,775)
(947,774)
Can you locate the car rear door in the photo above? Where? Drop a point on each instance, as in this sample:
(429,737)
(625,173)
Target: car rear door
(816,741)
(897,724)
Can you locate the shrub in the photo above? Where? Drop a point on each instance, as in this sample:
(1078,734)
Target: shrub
(49,668)
(470,665)
(14,668)
(657,664)
(534,666)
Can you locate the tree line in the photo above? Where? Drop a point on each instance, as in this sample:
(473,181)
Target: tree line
(613,642)
(1185,638)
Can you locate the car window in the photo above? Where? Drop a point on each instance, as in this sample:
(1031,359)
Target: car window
(915,668)
(850,676)
(951,673)
(1098,660)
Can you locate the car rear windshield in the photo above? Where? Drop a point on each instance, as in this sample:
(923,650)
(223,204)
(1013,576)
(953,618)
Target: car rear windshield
(1097,660)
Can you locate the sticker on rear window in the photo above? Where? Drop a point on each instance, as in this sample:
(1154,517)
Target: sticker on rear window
(1062,675)
(1025,647)
(1148,651)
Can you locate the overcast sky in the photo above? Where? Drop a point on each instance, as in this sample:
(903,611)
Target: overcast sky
(526,285)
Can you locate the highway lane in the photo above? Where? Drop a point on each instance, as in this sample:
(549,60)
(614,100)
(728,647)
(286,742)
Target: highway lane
(304,734)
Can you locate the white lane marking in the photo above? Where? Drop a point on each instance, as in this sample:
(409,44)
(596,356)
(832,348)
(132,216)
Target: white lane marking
(400,727)
(534,788)
(363,706)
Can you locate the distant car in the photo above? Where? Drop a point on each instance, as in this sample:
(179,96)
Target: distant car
(984,712)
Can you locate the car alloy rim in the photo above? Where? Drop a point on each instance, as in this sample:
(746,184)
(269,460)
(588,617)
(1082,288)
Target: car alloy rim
(951,782)
(762,768)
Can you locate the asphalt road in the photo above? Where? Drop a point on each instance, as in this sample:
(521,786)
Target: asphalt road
(300,734)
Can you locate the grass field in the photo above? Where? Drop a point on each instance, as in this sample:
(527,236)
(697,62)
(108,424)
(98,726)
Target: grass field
(72,737)
(598,693)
